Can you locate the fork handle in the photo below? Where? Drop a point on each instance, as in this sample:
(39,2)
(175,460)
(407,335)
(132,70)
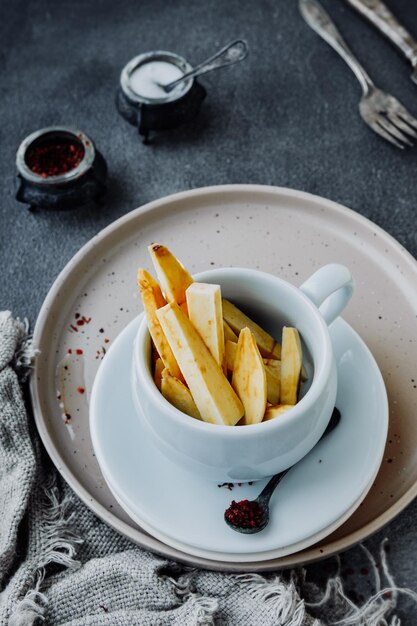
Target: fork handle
(381,17)
(317,18)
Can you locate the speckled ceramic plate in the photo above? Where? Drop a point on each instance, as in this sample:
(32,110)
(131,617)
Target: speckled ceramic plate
(281,231)
(312,500)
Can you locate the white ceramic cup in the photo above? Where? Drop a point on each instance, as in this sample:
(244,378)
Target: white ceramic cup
(247,453)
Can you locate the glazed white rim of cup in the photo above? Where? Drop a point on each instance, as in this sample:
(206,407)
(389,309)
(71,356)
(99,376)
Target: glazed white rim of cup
(322,368)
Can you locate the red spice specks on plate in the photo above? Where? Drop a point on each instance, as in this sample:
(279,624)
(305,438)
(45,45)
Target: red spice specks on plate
(80,320)
(79,351)
(81,390)
(229,486)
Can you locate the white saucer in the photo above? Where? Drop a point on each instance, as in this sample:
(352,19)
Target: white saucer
(315,497)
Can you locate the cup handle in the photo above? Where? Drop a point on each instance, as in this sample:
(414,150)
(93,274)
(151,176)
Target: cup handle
(330,289)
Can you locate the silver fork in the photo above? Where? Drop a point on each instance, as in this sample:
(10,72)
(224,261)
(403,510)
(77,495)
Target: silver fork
(381,111)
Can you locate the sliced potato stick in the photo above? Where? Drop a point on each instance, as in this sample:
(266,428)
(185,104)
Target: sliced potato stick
(157,373)
(178,394)
(237,320)
(212,392)
(249,378)
(272,371)
(229,334)
(204,304)
(277,410)
(273,385)
(230,355)
(173,277)
(153,299)
(291,364)
(274,366)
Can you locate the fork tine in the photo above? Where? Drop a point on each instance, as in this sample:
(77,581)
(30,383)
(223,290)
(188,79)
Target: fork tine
(402,112)
(380,131)
(393,130)
(398,122)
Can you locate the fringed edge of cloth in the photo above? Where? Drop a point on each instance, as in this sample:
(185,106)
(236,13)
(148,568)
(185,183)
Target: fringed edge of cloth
(58,540)
(59,547)
(291,610)
(20,352)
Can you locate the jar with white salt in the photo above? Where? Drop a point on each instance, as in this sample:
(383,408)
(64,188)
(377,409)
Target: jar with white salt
(143,102)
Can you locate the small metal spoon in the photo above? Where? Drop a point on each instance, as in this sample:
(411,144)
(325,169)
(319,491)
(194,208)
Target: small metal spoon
(263,499)
(232,53)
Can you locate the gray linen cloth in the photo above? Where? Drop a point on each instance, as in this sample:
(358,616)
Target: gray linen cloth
(61,565)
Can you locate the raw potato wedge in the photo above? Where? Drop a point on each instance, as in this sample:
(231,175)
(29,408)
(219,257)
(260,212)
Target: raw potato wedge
(272,371)
(204,304)
(291,364)
(157,374)
(274,366)
(249,378)
(178,394)
(229,334)
(230,355)
(172,276)
(276,411)
(214,396)
(153,299)
(273,385)
(237,320)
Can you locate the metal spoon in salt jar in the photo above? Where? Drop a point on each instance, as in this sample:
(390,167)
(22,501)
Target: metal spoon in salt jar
(255,513)
(232,53)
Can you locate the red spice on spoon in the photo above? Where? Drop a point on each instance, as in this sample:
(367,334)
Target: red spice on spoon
(245,514)
(57,157)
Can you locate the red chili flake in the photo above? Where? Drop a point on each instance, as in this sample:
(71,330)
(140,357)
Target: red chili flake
(74,328)
(54,158)
(80,322)
(86,320)
(246,513)
(229,486)
(106,340)
(81,390)
(79,351)
(69,351)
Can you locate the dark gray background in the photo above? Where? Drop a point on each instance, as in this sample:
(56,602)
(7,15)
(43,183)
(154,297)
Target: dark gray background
(287,116)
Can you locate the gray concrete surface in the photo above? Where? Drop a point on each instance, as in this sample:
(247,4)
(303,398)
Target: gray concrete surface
(287,116)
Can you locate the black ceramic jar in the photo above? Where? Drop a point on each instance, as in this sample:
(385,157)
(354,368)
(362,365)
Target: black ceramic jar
(59,168)
(157,111)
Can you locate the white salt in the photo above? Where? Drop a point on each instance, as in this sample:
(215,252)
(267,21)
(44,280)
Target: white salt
(145,78)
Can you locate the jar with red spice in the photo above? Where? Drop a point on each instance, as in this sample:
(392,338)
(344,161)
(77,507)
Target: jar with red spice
(59,168)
